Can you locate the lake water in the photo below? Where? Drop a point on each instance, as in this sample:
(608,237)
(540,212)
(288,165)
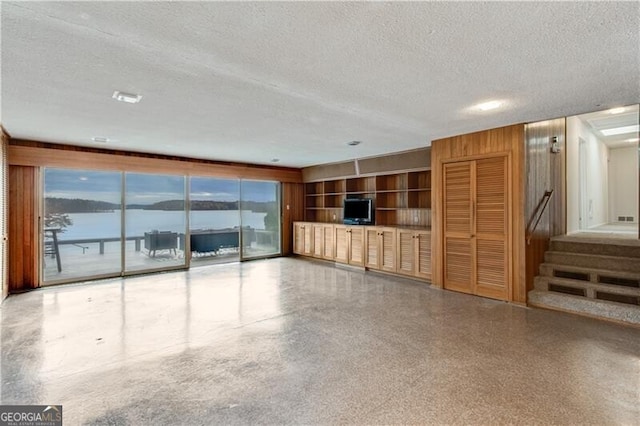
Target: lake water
(107,225)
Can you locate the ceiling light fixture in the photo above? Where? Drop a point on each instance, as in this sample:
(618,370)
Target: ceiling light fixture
(620,130)
(488,106)
(100,139)
(354,143)
(617,110)
(126,97)
(633,140)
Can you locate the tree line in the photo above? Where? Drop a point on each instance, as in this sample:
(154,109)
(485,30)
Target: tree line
(56,205)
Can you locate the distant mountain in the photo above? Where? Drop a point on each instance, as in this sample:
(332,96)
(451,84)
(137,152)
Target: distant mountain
(77,205)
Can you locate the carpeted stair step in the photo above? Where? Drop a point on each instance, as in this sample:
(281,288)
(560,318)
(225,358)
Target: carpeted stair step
(603,247)
(628,314)
(614,263)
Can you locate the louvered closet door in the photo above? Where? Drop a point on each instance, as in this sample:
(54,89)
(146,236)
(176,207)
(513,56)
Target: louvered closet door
(492,268)
(458,226)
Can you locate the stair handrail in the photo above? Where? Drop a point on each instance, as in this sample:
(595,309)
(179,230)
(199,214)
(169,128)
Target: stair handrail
(544,201)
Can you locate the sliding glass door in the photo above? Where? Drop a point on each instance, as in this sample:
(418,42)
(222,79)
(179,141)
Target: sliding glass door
(100,224)
(214,220)
(260,216)
(155,221)
(80,229)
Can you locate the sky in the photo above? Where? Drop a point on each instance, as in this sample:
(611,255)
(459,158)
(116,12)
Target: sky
(149,188)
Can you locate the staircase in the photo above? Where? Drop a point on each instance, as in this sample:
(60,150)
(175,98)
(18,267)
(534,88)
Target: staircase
(597,277)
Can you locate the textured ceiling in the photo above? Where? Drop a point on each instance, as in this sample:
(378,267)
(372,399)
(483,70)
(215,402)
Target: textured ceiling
(296,81)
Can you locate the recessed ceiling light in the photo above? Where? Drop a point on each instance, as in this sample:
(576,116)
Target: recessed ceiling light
(275,160)
(620,130)
(617,110)
(488,106)
(633,140)
(100,139)
(126,97)
(354,143)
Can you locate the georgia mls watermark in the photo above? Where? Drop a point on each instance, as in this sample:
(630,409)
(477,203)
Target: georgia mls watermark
(30,415)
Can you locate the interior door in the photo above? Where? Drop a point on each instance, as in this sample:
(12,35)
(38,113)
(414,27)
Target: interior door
(491,228)
(459,245)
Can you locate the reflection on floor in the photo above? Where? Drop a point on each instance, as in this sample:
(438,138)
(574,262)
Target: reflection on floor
(300,342)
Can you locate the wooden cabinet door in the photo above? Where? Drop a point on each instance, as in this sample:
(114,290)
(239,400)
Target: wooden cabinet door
(356,245)
(387,249)
(405,251)
(459,247)
(423,254)
(308,239)
(318,240)
(371,243)
(327,242)
(341,243)
(491,229)
(298,238)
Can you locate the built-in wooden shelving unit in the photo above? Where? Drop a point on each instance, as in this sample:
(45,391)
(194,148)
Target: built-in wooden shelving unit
(399,198)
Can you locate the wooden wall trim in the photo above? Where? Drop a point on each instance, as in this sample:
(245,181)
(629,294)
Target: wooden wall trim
(27,153)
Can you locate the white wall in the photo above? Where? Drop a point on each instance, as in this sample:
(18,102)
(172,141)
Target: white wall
(597,186)
(623,183)
(573,184)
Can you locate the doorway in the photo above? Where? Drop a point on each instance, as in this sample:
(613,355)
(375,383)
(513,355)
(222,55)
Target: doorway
(602,173)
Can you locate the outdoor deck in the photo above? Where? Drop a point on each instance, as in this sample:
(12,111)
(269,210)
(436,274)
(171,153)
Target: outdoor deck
(103,258)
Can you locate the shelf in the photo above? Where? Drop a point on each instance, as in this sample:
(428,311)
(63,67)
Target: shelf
(314,188)
(334,186)
(400,199)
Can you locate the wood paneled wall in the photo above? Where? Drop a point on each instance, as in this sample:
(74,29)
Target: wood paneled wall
(4,212)
(544,171)
(23,228)
(30,153)
(416,159)
(27,157)
(510,141)
(292,211)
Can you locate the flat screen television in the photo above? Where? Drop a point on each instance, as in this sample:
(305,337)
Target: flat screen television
(358,211)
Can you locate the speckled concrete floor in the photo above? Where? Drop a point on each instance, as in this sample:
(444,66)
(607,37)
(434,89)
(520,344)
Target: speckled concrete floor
(290,341)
